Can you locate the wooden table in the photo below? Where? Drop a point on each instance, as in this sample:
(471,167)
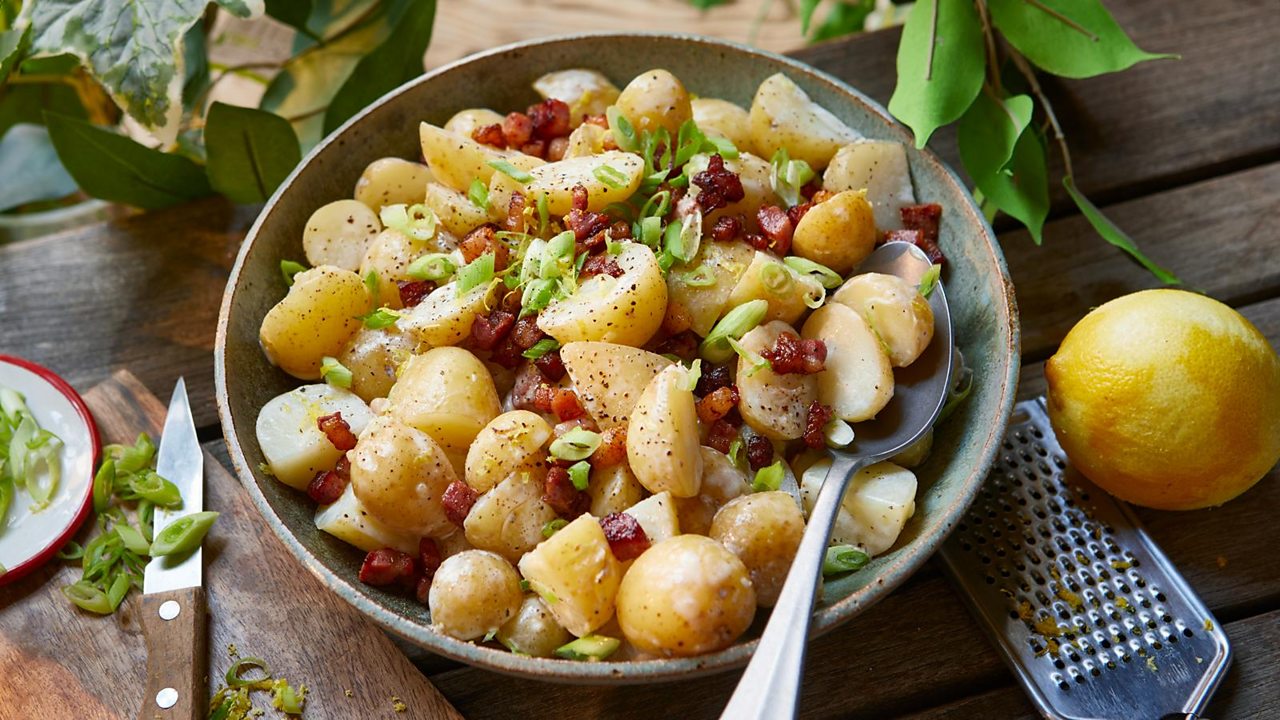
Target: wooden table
(1185,155)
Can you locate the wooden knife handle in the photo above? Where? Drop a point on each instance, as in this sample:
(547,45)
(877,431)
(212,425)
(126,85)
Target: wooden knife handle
(177,652)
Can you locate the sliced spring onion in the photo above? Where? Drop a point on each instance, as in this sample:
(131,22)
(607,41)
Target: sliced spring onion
(842,559)
(374,286)
(838,433)
(610,176)
(478,194)
(71,551)
(813,293)
(12,405)
(553,526)
(543,591)
(768,477)
(624,133)
(183,535)
(690,236)
(434,267)
(380,318)
(146,513)
(511,171)
(930,280)
(524,585)
(723,147)
(830,279)
(475,273)
(777,278)
(335,373)
(736,447)
(611,246)
(958,392)
(531,260)
(132,458)
(673,240)
(735,323)
(233,677)
(540,348)
(755,362)
(538,294)
(789,176)
(622,210)
(556,257)
(288,699)
(417,221)
(149,485)
(289,268)
(580,474)
(44,449)
(544,212)
(658,205)
(577,444)
(651,231)
(590,648)
(88,597)
(132,539)
(701,276)
(692,375)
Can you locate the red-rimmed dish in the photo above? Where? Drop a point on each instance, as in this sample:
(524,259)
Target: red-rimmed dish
(27,539)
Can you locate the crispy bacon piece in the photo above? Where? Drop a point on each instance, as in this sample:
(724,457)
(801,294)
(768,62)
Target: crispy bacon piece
(515,213)
(613,448)
(457,501)
(583,222)
(578,197)
(506,354)
(543,396)
(600,265)
(796,213)
(551,366)
(536,148)
(484,239)
(413,291)
(326,487)
(757,241)
(721,435)
(337,430)
(924,219)
(791,355)
(759,451)
(712,379)
(677,319)
(526,332)
(550,119)
(812,187)
(821,196)
(717,404)
(626,538)
(343,467)
(683,345)
(777,226)
(489,135)
(558,492)
(727,228)
(429,557)
(565,404)
(593,244)
(597,120)
(719,185)
(819,415)
(517,129)
(620,230)
(557,148)
(488,330)
(385,566)
(524,389)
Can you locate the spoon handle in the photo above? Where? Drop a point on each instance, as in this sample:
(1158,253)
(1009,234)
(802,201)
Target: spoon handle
(770,686)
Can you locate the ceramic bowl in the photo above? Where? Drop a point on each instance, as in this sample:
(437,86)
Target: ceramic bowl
(978,288)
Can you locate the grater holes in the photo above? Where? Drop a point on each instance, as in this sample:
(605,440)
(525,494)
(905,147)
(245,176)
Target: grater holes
(1060,681)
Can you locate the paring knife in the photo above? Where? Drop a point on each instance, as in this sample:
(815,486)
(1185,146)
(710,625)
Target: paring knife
(173,605)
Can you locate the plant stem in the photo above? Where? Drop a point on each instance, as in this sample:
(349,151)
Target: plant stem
(307,114)
(1062,19)
(933,39)
(197,104)
(1025,69)
(989,35)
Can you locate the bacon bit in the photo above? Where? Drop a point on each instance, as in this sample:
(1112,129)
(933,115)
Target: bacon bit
(551,366)
(536,148)
(797,212)
(526,332)
(489,135)
(818,417)
(791,355)
(626,538)
(719,186)
(721,435)
(515,213)
(565,405)
(683,345)
(482,240)
(413,291)
(542,396)
(597,120)
(600,265)
(578,197)
(343,468)
(620,230)
(757,241)
(506,354)
(759,451)
(557,148)
(558,492)
(385,566)
(524,388)
(457,501)
(727,228)
(429,557)
(813,187)
(712,379)
(609,143)
(717,404)
(915,237)
(613,448)
(583,222)
(488,330)
(326,487)
(510,301)
(776,225)
(517,129)
(337,430)
(593,244)
(550,119)
(422,592)
(677,319)
(821,196)
(925,219)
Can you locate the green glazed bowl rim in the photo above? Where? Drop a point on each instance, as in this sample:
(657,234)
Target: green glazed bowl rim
(890,576)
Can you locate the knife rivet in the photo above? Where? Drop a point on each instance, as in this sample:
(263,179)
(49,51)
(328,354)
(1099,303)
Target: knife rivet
(167,698)
(169,610)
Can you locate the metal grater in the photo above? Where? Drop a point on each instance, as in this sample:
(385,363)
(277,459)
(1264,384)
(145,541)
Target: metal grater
(1086,610)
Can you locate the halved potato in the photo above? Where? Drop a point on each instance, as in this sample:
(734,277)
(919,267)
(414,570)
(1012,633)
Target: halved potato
(721,117)
(447,393)
(316,319)
(879,167)
(879,502)
(509,443)
(389,255)
(586,139)
(399,474)
(725,262)
(444,317)
(576,574)
(509,518)
(534,630)
(291,442)
(858,380)
(783,116)
(838,232)
(347,520)
(613,489)
(455,210)
(455,160)
(774,405)
(722,481)
(372,355)
(339,233)
(392,181)
(609,378)
(586,92)
(626,310)
(556,180)
(657,515)
(768,278)
(896,311)
(655,99)
(662,437)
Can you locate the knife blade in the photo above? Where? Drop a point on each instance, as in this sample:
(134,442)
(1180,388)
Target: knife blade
(173,605)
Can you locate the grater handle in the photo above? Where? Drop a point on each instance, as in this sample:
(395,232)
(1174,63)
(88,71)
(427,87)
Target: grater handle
(770,687)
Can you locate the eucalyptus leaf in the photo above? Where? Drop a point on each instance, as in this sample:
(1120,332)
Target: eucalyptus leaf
(12,44)
(250,152)
(989,130)
(1021,189)
(113,167)
(940,65)
(1114,235)
(26,153)
(1071,38)
(397,60)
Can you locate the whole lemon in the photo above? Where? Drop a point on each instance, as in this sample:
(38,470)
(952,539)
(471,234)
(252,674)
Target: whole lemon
(1167,399)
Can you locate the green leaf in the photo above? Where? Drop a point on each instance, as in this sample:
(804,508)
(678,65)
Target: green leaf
(293,13)
(940,66)
(844,18)
(707,4)
(988,133)
(12,44)
(1071,38)
(243,9)
(27,103)
(396,61)
(115,168)
(196,61)
(132,47)
(27,153)
(806,14)
(250,152)
(1021,189)
(1114,235)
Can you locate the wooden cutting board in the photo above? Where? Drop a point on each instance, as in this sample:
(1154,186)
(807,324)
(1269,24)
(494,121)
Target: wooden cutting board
(59,662)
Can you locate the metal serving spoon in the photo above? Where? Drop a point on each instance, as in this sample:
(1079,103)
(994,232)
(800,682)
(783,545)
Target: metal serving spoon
(770,686)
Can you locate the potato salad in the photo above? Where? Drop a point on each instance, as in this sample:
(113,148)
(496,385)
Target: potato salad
(572,372)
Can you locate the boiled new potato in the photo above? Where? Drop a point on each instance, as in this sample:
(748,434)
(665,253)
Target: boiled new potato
(725,262)
(474,593)
(399,474)
(609,377)
(576,574)
(879,167)
(626,310)
(339,233)
(896,311)
(879,502)
(508,519)
(838,232)
(858,380)
(389,255)
(556,180)
(722,481)
(465,122)
(316,319)
(657,516)
(392,181)
(774,405)
(372,355)
(756,175)
(783,116)
(662,438)
(455,160)
(586,92)
(533,631)
(447,393)
(347,520)
(721,117)
(655,99)
(455,210)
(586,139)
(613,489)
(684,596)
(511,442)
(764,530)
(444,317)
(768,278)
(291,442)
